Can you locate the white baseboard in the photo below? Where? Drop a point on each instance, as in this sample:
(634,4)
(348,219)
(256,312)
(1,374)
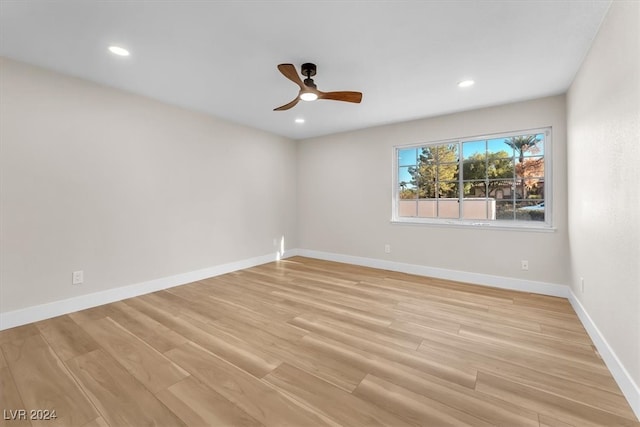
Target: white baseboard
(627,385)
(543,288)
(57,308)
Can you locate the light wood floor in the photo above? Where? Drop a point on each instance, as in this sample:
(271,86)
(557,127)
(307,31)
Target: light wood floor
(304,342)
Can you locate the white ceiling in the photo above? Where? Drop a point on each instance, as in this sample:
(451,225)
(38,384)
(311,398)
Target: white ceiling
(220,57)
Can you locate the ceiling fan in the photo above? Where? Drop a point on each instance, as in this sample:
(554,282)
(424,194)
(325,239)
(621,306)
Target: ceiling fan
(308,89)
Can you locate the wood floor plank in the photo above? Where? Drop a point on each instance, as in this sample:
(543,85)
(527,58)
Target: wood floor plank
(91,314)
(18,333)
(206,335)
(44,382)
(11,401)
(419,409)
(66,337)
(147,365)
(375,333)
(574,352)
(198,405)
(295,352)
(3,361)
(98,422)
(567,321)
(320,363)
(459,374)
(540,401)
(467,317)
(259,400)
(446,392)
(539,361)
(277,329)
(423,326)
(580,337)
(547,421)
(566,386)
(332,402)
(120,398)
(381,319)
(153,333)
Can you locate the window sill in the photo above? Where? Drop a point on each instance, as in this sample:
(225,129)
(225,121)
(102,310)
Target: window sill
(543,228)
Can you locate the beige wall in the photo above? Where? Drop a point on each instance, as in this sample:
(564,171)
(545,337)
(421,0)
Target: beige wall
(344,198)
(603,106)
(127,189)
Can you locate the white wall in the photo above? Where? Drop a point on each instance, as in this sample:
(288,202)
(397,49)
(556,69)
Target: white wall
(603,108)
(127,189)
(344,198)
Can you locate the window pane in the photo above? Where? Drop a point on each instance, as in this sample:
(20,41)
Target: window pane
(425,175)
(530,177)
(405,178)
(475,189)
(505,210)
(498,145)
(449,189)
(407,191)
(471,148)
(427,190)
(475,208)
(530,167)
(427,155)
(407,157)
(407,208)
(447,172)
(539,148)
(525,145)
(444,153)
(428,208)
(500,167)
(530,211)
(449,207)
(501,189)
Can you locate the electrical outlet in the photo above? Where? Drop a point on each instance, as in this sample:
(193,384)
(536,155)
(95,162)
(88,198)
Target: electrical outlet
(77,277)
(387,248)
(524,264)
(582,284)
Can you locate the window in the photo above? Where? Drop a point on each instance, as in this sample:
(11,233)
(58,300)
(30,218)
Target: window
(494,180)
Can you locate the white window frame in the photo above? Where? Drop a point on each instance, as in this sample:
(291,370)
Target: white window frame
(546,225)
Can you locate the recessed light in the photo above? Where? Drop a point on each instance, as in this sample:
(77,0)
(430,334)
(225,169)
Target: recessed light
(466,83)
(117,50)
(299,120)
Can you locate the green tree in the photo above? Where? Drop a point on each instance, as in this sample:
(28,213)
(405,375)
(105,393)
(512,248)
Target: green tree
(487,168)
(436,172)
(406,193)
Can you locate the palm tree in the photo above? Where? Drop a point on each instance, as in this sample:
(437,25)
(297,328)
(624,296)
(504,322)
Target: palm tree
(522,144)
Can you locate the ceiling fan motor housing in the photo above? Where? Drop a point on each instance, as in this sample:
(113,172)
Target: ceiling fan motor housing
(308,69)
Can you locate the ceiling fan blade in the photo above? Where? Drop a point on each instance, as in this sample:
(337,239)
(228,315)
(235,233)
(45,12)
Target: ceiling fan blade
(345,96)
(287,106)
(289,71)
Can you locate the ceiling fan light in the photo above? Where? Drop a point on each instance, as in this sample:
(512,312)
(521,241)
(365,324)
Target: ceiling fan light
(308,96)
